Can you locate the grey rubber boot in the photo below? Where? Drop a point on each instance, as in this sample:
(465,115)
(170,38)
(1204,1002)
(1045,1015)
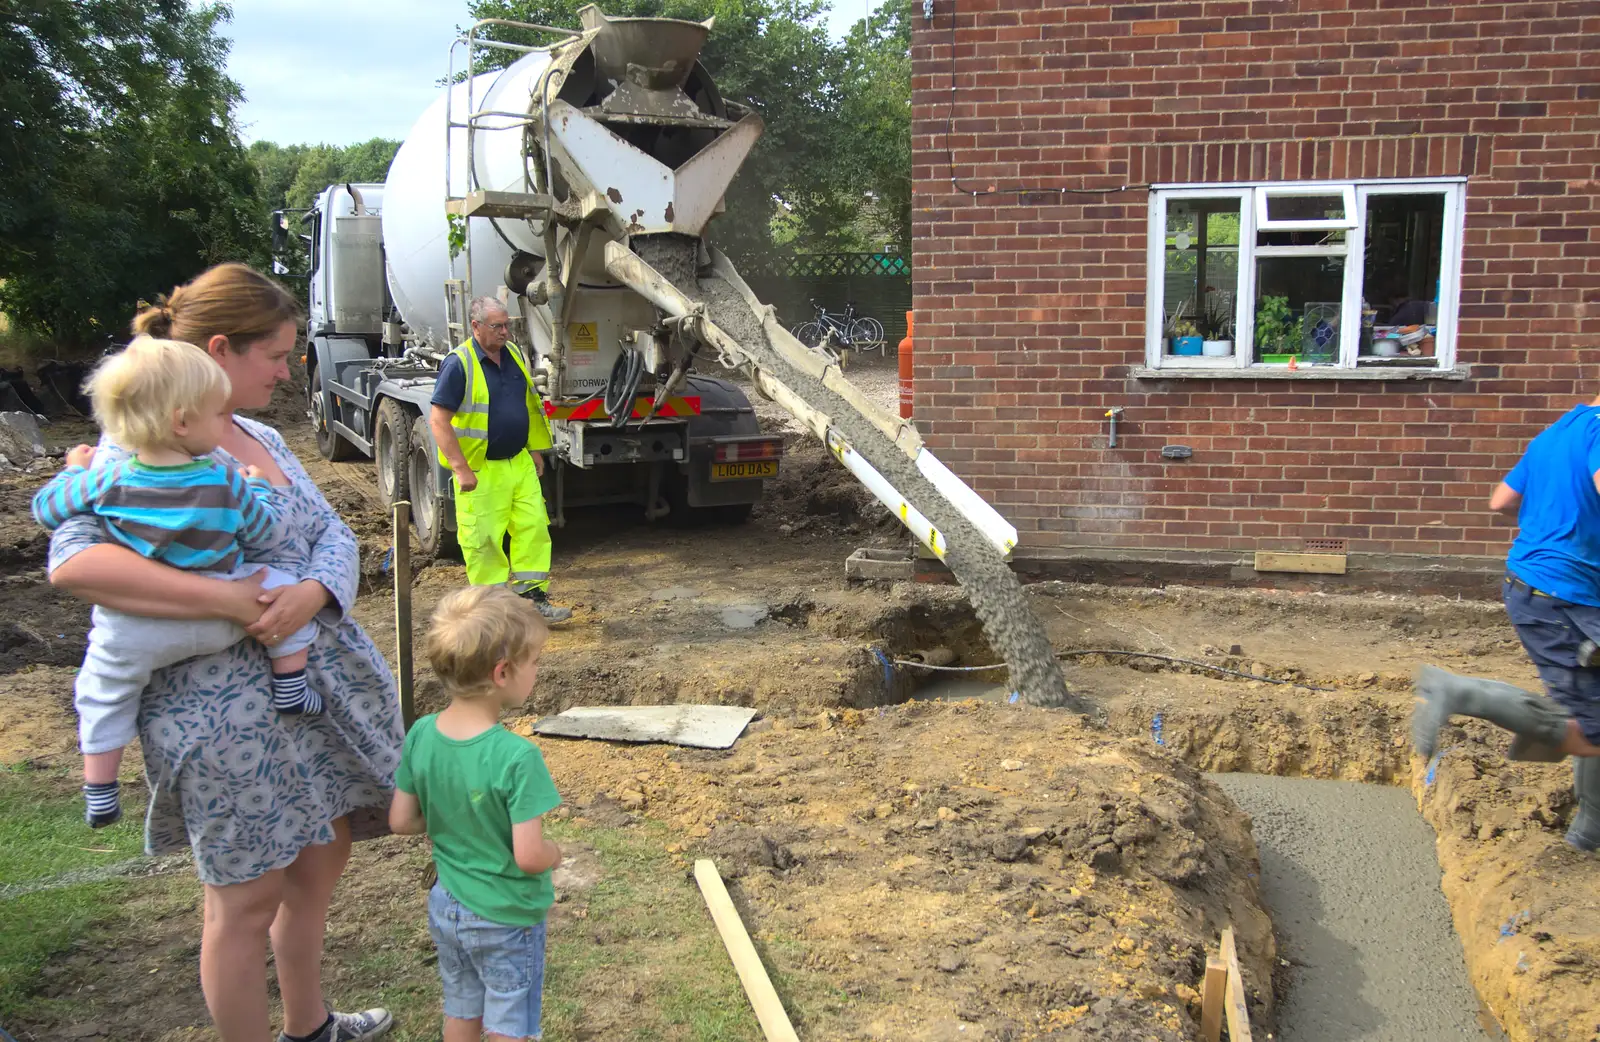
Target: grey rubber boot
(1444,694)
(1584,832)
(1529,750)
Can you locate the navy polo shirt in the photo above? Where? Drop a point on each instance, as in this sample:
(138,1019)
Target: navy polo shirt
(508,398)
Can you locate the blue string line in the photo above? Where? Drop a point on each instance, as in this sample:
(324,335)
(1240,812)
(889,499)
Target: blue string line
(888,670)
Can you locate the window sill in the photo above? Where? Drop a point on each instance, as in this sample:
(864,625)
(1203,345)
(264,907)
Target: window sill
(1462,372)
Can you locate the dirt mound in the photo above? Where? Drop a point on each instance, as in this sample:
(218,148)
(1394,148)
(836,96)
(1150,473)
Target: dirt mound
(963,870)
(813,491)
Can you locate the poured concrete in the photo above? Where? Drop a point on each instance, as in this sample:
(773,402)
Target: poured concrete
(1349,875)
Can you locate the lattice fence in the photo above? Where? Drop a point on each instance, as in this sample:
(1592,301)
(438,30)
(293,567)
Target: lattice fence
(879,283)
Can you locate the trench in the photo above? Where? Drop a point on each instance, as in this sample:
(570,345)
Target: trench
(1349,872)
(1349,877)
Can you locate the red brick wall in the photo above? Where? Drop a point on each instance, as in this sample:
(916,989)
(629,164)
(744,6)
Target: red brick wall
(1030,308)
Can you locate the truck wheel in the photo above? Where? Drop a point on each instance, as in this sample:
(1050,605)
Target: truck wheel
(332,445)
(427,502)
(391,450)
(682,515)
(733,513)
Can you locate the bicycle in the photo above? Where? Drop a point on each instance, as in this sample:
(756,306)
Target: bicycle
(849,332)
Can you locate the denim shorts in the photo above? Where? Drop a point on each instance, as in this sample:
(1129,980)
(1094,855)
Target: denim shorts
(489,970)
(1551,630)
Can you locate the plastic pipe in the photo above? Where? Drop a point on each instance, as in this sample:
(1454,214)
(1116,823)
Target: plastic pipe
(887,494)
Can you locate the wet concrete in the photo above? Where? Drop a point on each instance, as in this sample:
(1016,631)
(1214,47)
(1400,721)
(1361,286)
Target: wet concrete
(961,688)
(1349,875)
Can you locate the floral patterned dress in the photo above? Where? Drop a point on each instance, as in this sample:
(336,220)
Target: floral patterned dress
(246,787)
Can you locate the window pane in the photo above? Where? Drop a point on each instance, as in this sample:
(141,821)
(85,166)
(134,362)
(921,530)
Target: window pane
(1318,237)
(1305,207)
(1201,272)
(1404,248)
(1298,309)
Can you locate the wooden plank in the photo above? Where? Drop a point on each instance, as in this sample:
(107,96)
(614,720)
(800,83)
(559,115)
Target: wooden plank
(757,985)
(402,612)
(1318,564)
(1213,998)
(1237,1014)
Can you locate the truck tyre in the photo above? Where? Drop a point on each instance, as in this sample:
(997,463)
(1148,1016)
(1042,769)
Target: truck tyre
(681,515)
(427,500)
(331,444)
(391,451)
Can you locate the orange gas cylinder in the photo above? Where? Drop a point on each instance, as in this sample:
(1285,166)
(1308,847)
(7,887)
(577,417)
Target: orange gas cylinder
(905,369)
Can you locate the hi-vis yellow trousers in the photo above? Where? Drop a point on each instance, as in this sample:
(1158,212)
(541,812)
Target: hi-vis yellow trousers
(508,499)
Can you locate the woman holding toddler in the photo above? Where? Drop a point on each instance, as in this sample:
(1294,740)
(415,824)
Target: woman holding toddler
(267,779)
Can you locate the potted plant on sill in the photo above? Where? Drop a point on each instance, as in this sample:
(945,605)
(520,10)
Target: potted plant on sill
(1275,329)
(1216,327)
(1182,337)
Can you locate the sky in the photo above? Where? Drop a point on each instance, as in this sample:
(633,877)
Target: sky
(342,71)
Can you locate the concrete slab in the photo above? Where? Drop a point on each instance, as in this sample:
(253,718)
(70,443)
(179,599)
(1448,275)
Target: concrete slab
(702,727)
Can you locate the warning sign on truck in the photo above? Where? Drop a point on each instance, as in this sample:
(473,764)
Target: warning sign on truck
(582,335)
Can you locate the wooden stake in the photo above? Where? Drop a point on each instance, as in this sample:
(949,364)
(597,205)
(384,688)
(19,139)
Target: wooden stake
(402,611)
(1238,1015)
(757,985)
(1213,998)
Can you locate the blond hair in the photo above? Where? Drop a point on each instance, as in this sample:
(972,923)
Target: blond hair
(231,300)
(477,628)
(140,392)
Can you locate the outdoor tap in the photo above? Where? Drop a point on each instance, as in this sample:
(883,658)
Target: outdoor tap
(1112,414)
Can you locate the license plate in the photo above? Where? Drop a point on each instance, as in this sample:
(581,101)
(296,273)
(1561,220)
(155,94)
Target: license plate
(767,468)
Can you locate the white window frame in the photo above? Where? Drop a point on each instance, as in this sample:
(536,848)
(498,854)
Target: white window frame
(1252,198)
(1265,193)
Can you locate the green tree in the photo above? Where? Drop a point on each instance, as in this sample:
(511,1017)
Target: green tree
(292,176)
(121,173)
(875,119)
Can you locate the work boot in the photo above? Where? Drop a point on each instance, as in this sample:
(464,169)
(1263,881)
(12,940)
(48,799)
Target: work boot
(1531,750)
(1584,832)
(552,612)
(1443,694)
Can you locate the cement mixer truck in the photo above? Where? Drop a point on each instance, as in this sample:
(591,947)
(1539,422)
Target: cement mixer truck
(510,184)
(576,185)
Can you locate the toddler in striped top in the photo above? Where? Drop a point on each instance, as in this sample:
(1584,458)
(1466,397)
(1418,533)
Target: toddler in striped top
(167,403)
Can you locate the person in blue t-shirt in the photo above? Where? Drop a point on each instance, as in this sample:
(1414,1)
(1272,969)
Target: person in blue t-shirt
(1552,593)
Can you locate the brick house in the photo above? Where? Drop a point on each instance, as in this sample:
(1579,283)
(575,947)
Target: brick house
(1343,252)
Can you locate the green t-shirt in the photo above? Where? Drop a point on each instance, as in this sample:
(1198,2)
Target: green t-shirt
(471,793)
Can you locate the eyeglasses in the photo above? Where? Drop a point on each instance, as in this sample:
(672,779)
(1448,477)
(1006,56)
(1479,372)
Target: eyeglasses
(503,327)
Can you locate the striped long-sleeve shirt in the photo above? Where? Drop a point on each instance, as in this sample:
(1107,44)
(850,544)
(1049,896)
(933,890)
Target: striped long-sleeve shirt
(193,516)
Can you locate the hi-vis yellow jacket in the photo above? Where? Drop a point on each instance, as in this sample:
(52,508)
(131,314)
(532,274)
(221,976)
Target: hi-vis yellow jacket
(471,421)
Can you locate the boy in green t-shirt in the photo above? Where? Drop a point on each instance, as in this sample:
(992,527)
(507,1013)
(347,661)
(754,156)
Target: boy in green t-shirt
(480,792)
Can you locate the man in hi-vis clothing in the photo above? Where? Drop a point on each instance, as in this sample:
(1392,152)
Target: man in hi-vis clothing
(489,424)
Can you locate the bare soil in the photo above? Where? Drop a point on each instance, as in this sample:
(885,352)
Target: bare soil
(891,850)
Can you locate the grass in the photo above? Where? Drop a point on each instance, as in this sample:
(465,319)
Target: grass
(42,834)
(637,951)
(633,957)
(658,939)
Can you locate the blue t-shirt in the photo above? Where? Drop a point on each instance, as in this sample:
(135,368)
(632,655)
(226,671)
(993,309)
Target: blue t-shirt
(508,398)
(1557,549)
